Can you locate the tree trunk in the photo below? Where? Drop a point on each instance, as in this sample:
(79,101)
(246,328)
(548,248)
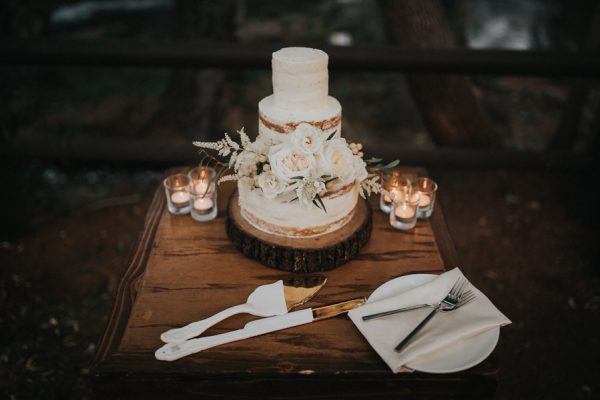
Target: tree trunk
(448,105)
(574,113)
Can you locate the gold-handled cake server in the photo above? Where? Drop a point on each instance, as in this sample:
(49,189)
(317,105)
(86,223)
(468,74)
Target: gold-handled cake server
(265,301)
(175,351)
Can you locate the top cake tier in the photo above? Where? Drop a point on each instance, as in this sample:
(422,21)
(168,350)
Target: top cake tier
(300,78)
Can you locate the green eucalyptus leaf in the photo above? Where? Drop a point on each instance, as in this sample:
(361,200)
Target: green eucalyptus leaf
(392,164)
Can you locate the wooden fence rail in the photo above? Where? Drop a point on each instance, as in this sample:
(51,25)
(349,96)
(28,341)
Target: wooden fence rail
(169,151)
(244,56)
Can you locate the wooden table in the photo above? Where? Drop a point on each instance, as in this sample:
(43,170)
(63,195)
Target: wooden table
(183,271)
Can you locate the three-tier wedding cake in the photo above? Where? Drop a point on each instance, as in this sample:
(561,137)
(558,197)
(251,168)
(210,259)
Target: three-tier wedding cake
(296,120)
(299,178)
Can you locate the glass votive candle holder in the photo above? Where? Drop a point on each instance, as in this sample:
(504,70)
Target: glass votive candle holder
(203,193)
(385,202)
(403,213)
(396,184)
(177,192)
(427,189)
(202,179)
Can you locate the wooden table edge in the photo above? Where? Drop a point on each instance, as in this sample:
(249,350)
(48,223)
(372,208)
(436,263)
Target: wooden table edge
(128,286)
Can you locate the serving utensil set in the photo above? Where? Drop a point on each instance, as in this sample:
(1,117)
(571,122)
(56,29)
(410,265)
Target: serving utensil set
(274,301)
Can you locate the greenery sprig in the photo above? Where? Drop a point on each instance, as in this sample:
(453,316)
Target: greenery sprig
(375,165)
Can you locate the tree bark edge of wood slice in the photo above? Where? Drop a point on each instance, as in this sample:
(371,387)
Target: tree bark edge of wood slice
(304,255)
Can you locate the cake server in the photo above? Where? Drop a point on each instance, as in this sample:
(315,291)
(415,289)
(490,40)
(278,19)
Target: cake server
(175,351)
(265,301)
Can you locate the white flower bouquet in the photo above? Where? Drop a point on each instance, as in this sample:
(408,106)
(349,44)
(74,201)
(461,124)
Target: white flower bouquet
(298,169)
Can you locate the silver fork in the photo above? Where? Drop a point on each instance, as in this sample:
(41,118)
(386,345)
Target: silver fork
(445,306)
(467,296)
(457,297)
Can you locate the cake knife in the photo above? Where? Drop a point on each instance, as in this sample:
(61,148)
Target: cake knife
(265,301)
(175,351)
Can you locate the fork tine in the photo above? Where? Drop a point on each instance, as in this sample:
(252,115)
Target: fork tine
(463,287)
(455,287)
(466,300)
(455,291)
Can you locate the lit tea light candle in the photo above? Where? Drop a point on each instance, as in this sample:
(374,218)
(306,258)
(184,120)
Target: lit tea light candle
(395,185)
(203,205)
(201,187)
(405,212)
(201,180)
(177,195)
(385,203)
(203,193)
(425,200)
(180,199)
(427,188)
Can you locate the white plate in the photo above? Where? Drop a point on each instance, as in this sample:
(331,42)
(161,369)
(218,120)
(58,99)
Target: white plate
(462,355)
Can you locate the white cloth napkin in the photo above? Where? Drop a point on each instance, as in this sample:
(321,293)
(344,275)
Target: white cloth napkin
(443,330)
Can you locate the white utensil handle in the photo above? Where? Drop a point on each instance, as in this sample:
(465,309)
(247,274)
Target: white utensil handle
(194,329)
(279,322)
(175,351)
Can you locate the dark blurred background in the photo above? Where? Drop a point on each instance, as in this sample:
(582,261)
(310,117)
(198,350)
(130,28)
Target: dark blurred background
(499,99)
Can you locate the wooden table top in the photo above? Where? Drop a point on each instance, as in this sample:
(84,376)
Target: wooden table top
(182,271)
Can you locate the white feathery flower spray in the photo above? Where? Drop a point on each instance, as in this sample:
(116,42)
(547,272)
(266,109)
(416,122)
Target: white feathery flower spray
(303,166)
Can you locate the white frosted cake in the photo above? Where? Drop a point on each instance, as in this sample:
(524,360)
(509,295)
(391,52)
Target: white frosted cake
(299,178)
(300,100)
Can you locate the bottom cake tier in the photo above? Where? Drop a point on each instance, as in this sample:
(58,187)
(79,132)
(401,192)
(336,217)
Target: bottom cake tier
(300,254)
(290,219)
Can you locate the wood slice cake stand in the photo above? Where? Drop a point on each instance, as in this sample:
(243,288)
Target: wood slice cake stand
(319,253)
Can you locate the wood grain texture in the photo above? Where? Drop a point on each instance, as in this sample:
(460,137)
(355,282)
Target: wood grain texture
(315,254)
(182,271)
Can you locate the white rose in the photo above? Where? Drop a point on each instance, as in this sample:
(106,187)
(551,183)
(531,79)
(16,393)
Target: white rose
(270,184)
(360,169)
(337,160)
(307,138)
(288,161)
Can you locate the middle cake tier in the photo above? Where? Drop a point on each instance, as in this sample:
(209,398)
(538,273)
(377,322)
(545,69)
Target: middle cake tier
(275,123)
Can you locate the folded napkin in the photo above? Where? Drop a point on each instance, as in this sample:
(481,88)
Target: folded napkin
(443,330)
